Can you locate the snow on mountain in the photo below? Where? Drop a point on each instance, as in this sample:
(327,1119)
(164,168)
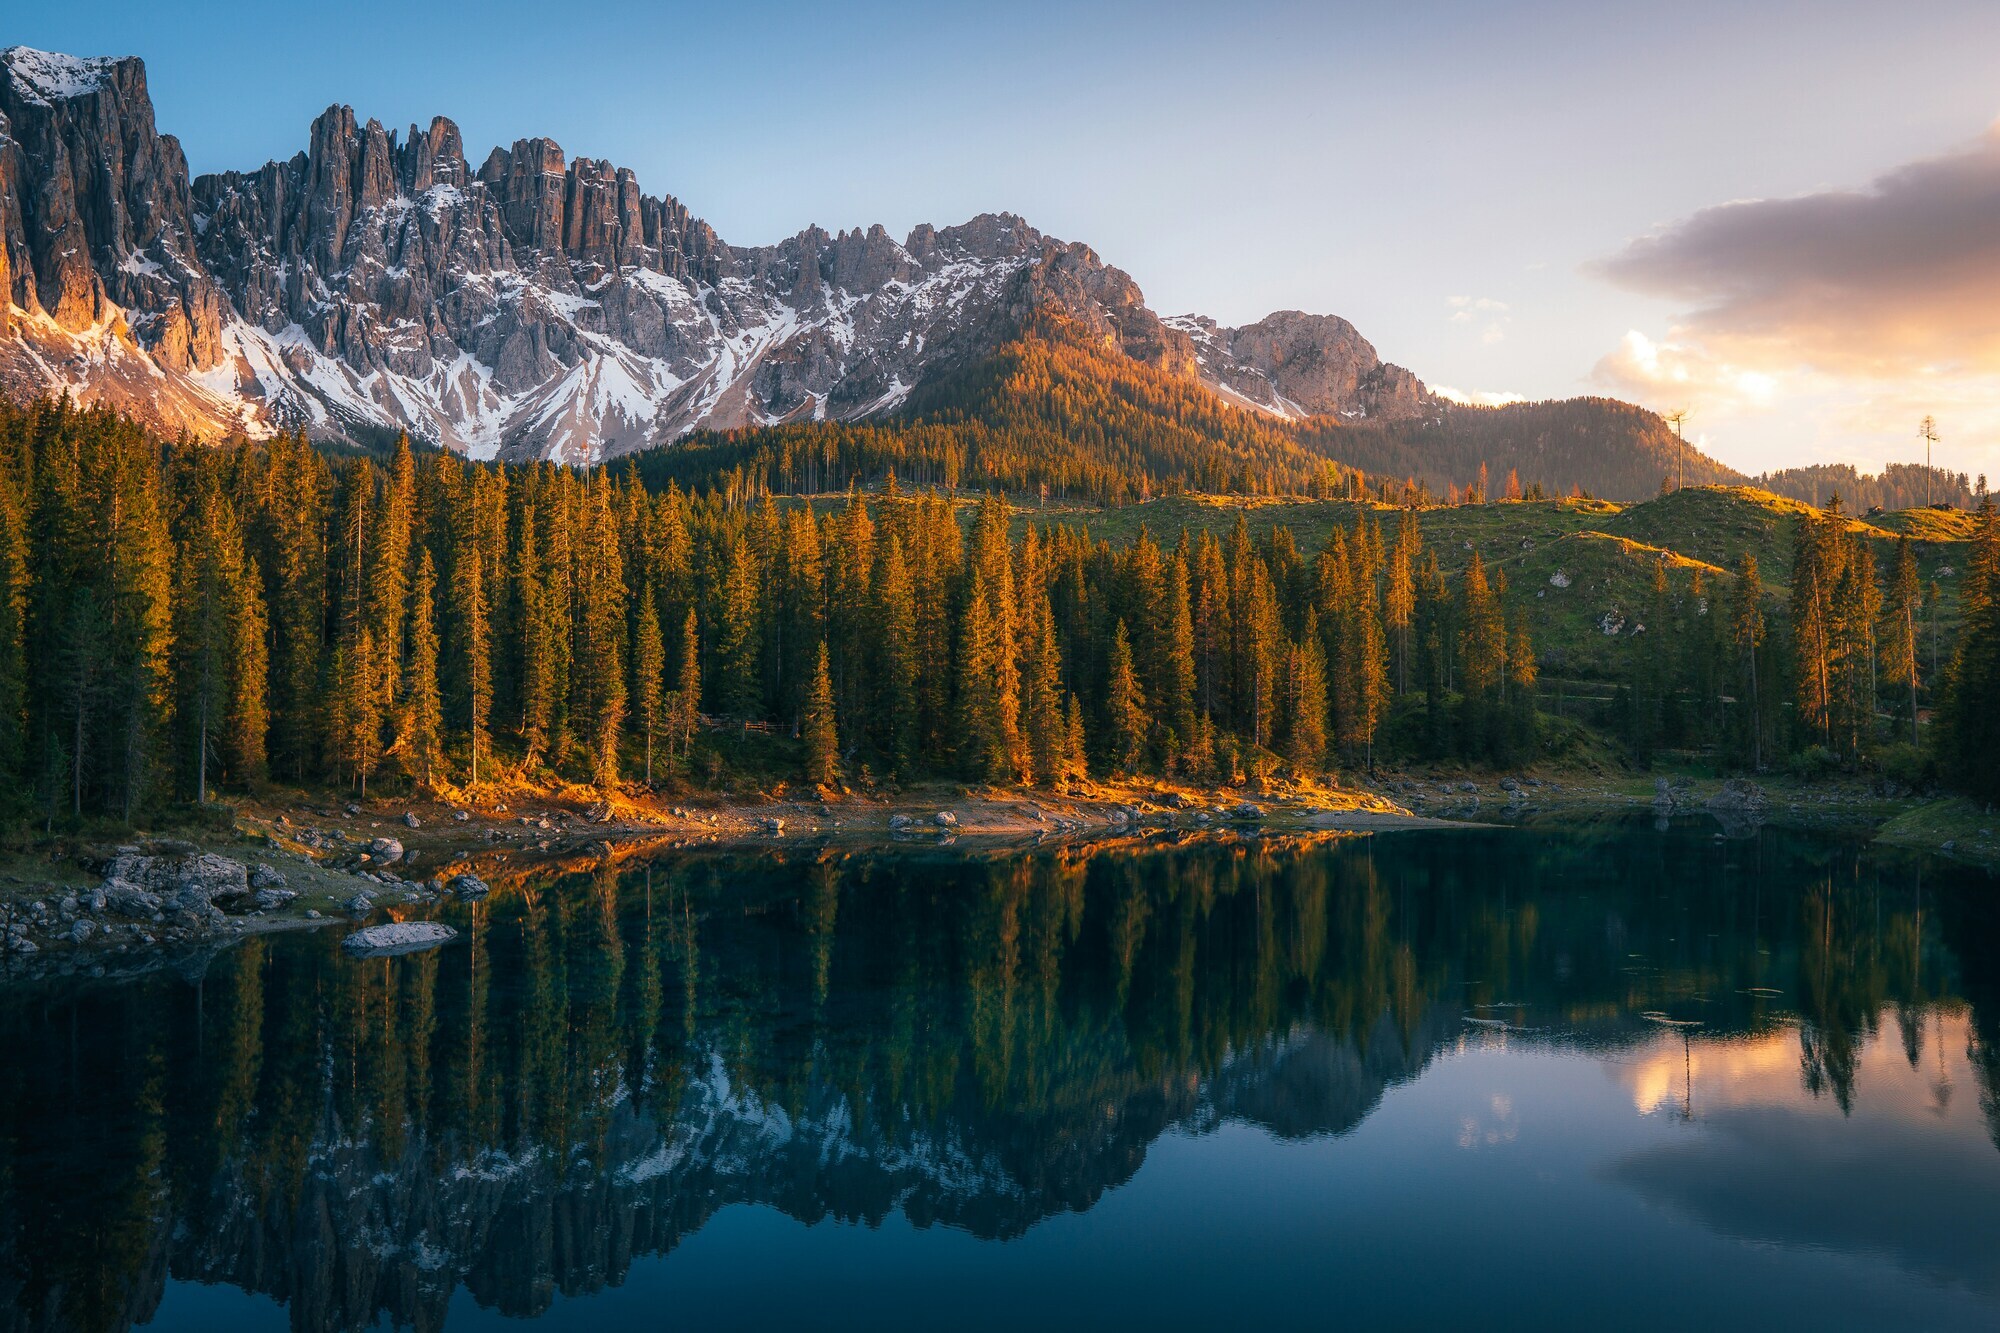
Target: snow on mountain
(48,77)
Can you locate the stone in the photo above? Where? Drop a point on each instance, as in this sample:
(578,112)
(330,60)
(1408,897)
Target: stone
(386,849)
(468,886)
(945,819)
(82,929)
(271,899)
(265,877)
(460,815)
(361,904)
(397,937)
(901,823)
(411,821)
(129,899)
(1740,794)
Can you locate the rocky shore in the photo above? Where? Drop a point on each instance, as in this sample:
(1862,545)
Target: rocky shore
(303,864)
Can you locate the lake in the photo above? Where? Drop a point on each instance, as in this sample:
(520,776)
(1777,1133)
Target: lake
(1588,1073)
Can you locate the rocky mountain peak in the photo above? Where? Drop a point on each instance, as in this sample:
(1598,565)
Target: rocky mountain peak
(542,305)
(1296,364)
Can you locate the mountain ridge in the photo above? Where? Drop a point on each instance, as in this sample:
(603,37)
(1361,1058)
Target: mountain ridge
(537,305)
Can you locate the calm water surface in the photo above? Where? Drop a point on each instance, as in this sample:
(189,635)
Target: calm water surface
(1588,1075)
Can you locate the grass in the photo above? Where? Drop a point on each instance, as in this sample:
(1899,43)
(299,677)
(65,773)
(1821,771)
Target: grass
(1952,820)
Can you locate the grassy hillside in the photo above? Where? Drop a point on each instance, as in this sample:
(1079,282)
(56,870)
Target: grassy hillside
(1574,568)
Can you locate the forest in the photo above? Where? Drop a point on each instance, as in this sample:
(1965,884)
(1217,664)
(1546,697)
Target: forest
(180,619)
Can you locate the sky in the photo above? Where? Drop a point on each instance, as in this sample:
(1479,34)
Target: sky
(1781,217)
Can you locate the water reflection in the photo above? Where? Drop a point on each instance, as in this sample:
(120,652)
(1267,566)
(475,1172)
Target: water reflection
(607,1060)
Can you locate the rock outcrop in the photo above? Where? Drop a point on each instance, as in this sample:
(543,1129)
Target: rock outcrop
(1297,365)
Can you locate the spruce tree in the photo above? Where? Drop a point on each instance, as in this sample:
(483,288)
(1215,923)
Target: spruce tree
(1124,707)
(420,724)
(1746,638)
(896,664)
(1899,630)
(822,745)
(687,689)
(649,670)
(476,647)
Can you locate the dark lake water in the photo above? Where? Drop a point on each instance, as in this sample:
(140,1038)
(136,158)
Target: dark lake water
(1594,1074)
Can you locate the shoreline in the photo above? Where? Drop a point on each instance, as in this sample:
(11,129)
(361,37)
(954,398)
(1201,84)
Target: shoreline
(350,863)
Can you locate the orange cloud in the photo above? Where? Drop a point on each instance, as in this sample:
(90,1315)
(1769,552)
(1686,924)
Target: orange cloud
(1900,278)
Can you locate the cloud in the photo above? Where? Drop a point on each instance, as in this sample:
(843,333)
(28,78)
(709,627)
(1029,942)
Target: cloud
(1900,278)
(1492,316)
(1476,397)
(1672,373)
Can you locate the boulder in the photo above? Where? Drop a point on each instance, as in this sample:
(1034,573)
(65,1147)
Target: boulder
(386,849)
(265,877)
(175,870)
(901,823)
(1740,794)
(268,899)
(397,937)
(411,821)
(361,904)
(946,819)
(466,887)
(127,899)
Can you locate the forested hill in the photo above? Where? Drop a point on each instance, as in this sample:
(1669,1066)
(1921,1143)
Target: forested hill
(1054,412)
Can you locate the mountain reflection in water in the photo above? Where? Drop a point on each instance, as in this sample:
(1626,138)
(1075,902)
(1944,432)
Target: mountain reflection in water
(985,1041)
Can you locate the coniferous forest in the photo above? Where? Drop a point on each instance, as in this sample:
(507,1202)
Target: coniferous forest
(179,619)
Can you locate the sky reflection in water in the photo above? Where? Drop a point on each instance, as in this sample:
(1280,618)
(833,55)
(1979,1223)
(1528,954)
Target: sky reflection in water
(1595,1074)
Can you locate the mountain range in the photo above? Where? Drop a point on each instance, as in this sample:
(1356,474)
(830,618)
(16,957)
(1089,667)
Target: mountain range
(532,305)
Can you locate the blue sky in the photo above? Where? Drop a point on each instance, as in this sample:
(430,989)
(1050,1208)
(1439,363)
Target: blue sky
(1462,180)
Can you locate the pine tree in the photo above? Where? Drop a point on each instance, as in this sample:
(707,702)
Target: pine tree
(896,666)
(687,690)
(649,670)
(599,679)
(1043,714)
(1899,628)
(1400,594)
(539,637)
(1969,714)
(1746,637)
(1075,742)
(476,646)
(1124,707)
(1304,702)
(420,724)
(739,646)
(822,746)
(1483,659)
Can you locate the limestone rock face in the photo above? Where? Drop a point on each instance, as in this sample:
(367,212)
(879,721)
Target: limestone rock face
(537,306)
(95,221)
(1296,364)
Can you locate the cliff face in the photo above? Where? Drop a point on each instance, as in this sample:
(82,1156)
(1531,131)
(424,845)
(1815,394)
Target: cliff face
(536,306)
(1297,365)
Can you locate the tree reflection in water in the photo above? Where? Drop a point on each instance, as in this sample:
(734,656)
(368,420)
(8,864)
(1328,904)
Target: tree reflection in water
(975,1039)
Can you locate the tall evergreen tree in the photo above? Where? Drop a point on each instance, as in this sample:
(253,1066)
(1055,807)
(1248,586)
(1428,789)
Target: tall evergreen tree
(1124,706)
(420,719)
(822,743)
